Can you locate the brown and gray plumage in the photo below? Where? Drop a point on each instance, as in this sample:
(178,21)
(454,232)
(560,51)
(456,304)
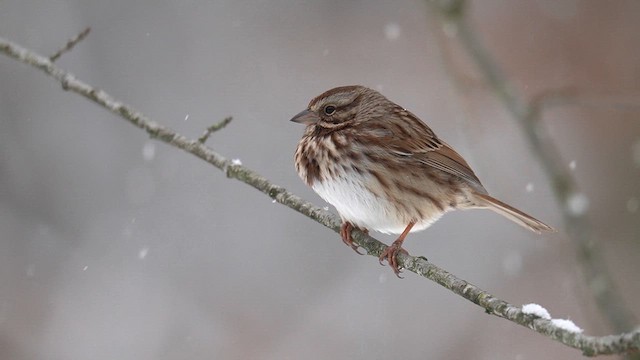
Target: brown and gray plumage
(384,169)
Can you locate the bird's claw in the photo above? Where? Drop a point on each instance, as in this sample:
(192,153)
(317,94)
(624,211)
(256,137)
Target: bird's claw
(390,254)
(345,233)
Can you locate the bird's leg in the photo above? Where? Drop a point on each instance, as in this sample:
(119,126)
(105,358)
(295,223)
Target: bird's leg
(345,233)
(391,252)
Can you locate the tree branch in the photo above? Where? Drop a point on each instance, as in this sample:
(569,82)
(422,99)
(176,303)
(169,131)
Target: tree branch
(571,201)
(590,345)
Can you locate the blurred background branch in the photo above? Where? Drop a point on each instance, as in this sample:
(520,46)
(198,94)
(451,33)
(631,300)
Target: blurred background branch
(589,345)
(528,115)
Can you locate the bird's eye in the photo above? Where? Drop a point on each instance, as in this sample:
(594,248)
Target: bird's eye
(329,110)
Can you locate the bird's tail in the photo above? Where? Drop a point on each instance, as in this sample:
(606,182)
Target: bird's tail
(512,214)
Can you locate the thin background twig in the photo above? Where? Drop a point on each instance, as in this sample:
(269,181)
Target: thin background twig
(70,44)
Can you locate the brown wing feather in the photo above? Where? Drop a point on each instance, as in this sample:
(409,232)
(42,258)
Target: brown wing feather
(414,139)
(449,161)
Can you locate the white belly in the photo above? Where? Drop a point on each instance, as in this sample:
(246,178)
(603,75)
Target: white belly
(356,204)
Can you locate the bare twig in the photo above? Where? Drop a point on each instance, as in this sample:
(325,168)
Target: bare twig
(70,44)
(563,184)
(590,345)
(213,128)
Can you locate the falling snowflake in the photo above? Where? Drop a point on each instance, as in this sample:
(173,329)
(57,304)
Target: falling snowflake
(512,263)
(382,278)
(392,31)
(577,204)
(149,151)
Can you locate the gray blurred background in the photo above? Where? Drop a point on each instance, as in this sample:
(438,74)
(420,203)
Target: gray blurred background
(114,246)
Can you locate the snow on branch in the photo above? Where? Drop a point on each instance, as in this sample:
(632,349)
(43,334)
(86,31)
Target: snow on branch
(590,345)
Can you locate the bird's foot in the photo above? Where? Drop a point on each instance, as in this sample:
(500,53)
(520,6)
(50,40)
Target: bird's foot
(391,255)
(345,233)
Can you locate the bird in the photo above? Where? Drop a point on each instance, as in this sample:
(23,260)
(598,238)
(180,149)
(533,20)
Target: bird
(385,170)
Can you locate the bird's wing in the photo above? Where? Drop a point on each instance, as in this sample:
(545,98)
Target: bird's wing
(418,142)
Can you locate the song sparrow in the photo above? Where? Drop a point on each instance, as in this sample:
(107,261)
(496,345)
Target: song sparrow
(384,169)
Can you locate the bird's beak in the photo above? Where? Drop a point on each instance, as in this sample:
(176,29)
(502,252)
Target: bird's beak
(306,117)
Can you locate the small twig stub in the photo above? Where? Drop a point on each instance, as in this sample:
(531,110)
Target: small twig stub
(213,128)
(70,44)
